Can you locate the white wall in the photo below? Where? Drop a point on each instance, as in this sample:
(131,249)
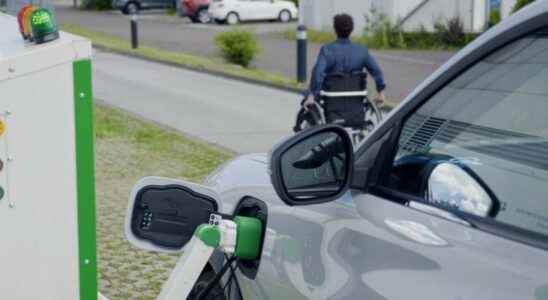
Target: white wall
(357,9)
(506,7)
(400,9)
(473,14)
(318,14)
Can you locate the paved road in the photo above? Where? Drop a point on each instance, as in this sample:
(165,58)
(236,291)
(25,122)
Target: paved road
(242,117)
(403,69)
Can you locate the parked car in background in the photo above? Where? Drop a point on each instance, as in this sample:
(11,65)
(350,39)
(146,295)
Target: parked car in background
(196,10)
(235,11)
(130,7)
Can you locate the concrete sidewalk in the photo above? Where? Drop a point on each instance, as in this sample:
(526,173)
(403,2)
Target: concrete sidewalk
(403,69)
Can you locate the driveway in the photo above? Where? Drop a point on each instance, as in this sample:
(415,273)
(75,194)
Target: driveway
(403,69)
(242,117)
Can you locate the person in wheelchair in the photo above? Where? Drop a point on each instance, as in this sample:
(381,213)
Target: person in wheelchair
(340,68)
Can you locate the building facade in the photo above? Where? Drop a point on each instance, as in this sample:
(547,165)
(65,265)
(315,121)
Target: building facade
(506,7)
(411,15)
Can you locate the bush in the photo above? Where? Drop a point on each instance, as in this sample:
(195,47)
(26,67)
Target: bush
(238,46)
(422,39)
(97,4)
(380,32)
(521,3)
(171,11)
(494,17)
(452,33)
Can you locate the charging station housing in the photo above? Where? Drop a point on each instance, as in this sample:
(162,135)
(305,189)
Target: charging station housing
(47,210)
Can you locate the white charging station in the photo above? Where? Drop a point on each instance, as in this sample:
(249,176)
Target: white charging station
(47,196)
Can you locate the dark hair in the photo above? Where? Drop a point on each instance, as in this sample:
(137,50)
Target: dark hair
(344,25)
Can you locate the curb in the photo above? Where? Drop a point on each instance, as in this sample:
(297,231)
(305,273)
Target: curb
(205,71)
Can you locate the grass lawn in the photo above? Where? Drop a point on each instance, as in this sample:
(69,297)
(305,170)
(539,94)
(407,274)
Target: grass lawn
(120,45)
(127,149)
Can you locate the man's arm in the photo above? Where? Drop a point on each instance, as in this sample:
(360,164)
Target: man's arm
(376,72)
(317,78)
(318,73)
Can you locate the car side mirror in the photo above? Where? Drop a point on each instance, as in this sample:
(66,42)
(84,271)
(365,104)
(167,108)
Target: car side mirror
(314,166)
(163,213)
(456,187)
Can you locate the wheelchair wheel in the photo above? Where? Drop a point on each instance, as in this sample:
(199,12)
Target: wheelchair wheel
(373,116)
(307,119)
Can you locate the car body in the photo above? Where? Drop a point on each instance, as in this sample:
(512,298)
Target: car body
(134,6)
(196,10)
(446,198)
(234,11)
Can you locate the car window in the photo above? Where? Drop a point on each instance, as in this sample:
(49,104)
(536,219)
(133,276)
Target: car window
(480,144)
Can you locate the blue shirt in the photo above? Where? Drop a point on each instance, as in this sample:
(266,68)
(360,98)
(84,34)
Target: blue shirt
(344,56)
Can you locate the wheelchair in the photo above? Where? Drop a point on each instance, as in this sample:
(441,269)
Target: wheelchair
(344,101)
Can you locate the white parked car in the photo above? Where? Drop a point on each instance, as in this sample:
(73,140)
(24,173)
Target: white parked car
(234,11)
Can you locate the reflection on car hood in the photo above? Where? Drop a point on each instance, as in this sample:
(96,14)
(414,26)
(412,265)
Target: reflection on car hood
(245,170)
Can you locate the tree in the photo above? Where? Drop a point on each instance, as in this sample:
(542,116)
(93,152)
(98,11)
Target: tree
(521,3)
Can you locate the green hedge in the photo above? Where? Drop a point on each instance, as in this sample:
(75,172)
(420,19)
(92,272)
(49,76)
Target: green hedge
(381,33)
(494,17)
(521,3)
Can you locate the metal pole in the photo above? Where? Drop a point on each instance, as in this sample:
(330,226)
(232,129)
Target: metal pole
(134,32)
(301,53)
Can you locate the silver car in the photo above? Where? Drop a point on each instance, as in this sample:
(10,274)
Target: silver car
(446,199)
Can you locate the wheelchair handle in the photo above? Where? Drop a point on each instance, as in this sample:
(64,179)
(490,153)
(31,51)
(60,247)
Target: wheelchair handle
(343,94)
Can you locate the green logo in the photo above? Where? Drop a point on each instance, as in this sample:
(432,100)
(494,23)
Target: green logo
(43,25)
(41,17)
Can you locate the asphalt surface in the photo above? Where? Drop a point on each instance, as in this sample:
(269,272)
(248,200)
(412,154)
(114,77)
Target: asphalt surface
(403,69)
(242,117)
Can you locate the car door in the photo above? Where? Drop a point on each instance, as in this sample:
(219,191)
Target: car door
(244,9)
(159,3)
(448,199)
(261,9)
(464,189)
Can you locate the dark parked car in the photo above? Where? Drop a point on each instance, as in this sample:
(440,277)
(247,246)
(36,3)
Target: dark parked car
(134,6)
(196,10)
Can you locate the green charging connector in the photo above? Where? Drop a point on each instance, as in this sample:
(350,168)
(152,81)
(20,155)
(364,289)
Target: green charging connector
(248,240)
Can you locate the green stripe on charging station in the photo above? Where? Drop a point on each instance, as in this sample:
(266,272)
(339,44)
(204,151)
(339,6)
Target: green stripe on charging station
(85,173)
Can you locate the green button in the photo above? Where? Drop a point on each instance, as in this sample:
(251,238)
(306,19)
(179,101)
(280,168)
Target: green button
(2,193)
